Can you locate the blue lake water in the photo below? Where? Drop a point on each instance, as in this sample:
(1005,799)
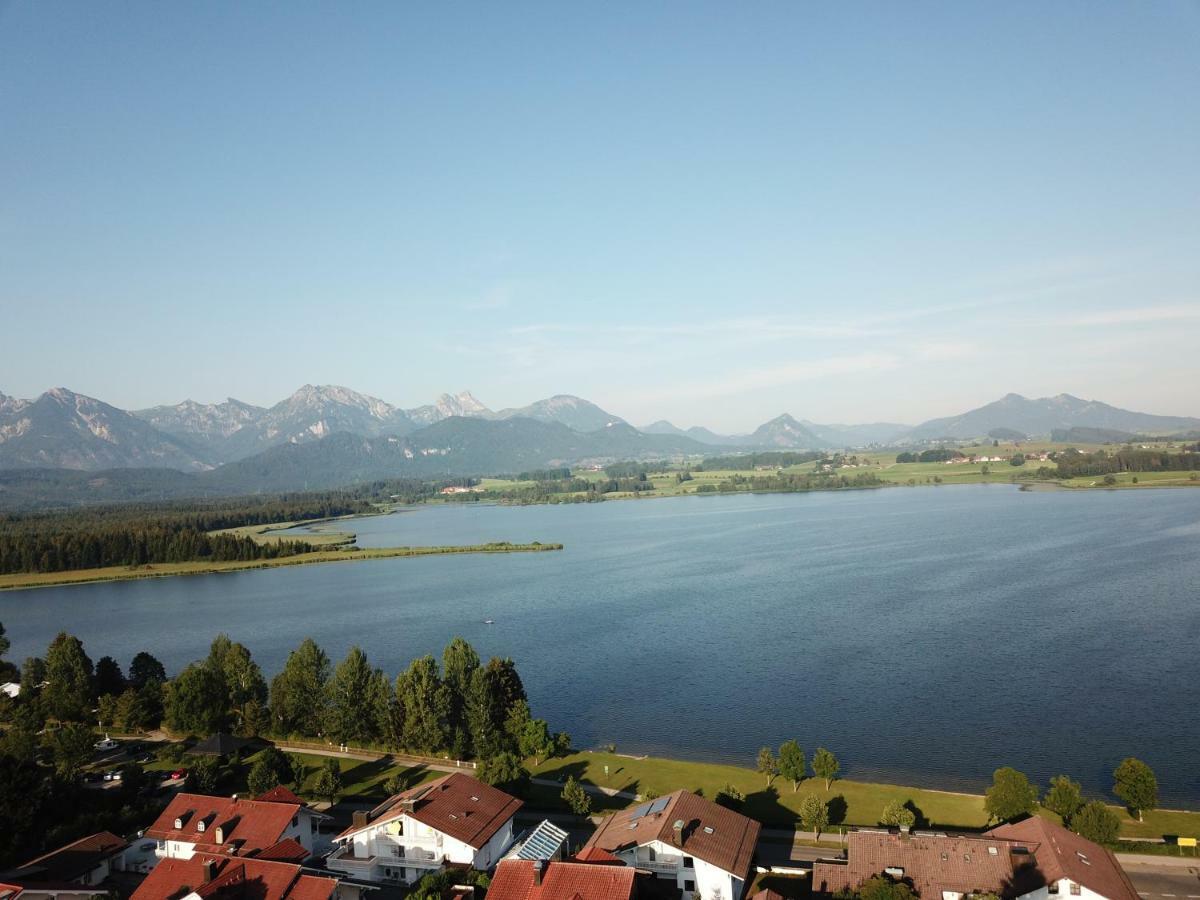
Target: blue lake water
(927,635)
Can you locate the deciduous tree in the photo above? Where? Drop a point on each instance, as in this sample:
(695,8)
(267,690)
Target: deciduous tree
(768,765)
(1010,795)
(792,764)
(825,765)
(72,747)
(1134,782)
(195,702)
(1064,797)
(897,814)
(576,797)
(299,692)
(814,814)
(1096,822)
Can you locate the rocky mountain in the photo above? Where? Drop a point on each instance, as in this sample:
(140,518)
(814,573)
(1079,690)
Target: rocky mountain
(459,445)
(447,405)
(1042,416)
(62,429)
(785,432)
(206,425)
(574,412)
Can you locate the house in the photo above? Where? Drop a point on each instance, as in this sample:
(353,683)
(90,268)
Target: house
(75,870)
(1034,859)
(10,689)
(231,826)
(704,848)
(455,819)
(537,879)
(226,878)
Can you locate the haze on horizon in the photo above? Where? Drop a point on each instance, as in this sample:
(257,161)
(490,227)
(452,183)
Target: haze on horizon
(693,212)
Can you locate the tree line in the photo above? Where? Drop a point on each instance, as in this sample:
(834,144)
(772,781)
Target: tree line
(1073,462)
(138,534)
(774,458)
(788,482)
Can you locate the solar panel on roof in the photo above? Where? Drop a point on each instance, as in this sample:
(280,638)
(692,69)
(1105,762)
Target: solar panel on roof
(659,805)
(640,811)
(543,843)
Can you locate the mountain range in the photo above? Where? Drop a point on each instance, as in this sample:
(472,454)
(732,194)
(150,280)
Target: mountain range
(328,436)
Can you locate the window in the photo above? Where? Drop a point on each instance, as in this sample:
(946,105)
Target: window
(1052,889)
(689,885)
(653,855)
(1075,891)
(688,863)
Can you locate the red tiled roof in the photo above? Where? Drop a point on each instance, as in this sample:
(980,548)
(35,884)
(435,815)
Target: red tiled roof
(933,863)
(73,860)
(458,805)
(247,825)
(1062,853)
(280,794)
(719,836)
(514,880)
(596,855)
(287,850)
(767,894)
(233,879)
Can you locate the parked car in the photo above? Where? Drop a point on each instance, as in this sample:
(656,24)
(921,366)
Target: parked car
(107,744)
(179,774)
(112,775)
(145,758)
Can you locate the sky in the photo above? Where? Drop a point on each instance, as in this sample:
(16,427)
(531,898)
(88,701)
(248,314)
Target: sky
(709,213)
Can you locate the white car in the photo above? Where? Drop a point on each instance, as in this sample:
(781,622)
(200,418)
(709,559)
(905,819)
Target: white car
(107,744)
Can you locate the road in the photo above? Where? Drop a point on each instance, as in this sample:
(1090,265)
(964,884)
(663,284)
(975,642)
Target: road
(1163,877)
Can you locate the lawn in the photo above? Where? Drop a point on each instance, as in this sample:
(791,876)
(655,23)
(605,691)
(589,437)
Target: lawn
(851,802)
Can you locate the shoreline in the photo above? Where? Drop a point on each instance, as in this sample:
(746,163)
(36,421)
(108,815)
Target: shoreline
(29,580)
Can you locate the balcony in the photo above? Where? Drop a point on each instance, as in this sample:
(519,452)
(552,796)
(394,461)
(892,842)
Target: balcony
(345,858)
(666,865)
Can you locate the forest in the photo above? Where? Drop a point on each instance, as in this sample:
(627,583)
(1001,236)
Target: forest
(142,533)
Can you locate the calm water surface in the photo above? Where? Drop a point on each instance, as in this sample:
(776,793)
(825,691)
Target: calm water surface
(926,635)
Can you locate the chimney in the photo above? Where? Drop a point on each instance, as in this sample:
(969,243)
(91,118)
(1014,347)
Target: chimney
(677,833)
(359,819)
(537,872)
(210,870)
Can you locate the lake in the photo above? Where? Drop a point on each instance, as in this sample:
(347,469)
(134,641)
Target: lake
(925,635)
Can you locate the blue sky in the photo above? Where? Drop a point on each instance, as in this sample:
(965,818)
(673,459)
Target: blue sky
(711,213)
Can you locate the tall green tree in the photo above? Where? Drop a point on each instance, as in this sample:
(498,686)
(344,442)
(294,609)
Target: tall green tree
(768,765)
(350,715)
(1011,795)
(145,668)
(1134,782)
(1063,797)
(245,690)
(459,663)
(109,679)
(505,772)
(68,693)
(299,693)
(8,671)
(792,763)
(72,747)
(195,701)
(825,765)
(426,705)
(531,736)
(33,676)
(386,711)
(1096,822)
(485,715)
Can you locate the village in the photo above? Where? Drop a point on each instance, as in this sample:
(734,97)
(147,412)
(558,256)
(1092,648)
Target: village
(458,838)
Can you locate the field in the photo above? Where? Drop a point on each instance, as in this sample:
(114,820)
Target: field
(884,467)
(200,567)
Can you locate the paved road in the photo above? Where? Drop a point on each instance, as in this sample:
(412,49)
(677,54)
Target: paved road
(1155,879)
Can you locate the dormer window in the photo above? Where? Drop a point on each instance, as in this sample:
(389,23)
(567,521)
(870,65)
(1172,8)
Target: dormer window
(178,822)
(201,825)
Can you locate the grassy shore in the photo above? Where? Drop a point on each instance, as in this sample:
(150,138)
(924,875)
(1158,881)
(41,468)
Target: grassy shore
(161,570)
(851,802)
